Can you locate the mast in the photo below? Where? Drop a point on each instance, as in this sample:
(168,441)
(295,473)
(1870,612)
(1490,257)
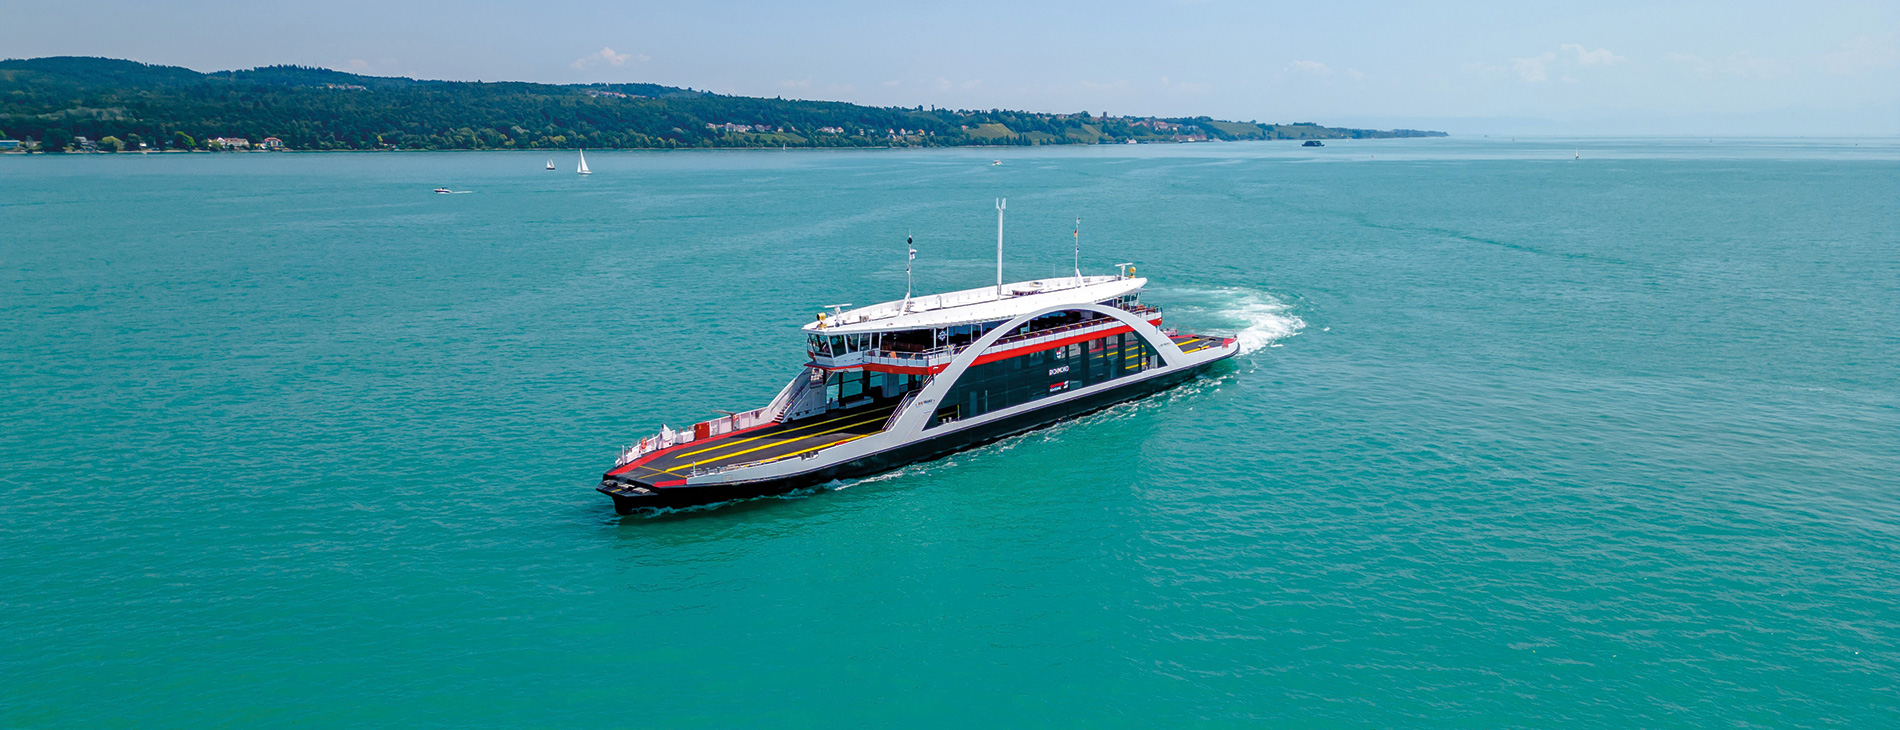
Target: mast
(1078,250)
(908,242)
(1001,203)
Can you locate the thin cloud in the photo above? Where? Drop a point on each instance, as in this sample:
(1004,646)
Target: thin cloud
(609,57)
(1536,69)
(380,66)
(1586,57)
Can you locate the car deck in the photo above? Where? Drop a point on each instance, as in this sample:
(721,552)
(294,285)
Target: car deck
(1191,344)
(771,442)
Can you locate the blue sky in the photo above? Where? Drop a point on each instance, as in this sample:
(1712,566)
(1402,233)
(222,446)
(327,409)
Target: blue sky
(1475,67)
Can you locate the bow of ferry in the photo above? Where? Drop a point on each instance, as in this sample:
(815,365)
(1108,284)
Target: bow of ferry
(917,378)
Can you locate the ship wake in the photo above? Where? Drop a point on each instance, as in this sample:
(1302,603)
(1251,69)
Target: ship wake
(1258,319)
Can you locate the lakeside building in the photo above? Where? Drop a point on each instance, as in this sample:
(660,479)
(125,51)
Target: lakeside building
(273,143)
(9,145)
(750,128)
(233,143)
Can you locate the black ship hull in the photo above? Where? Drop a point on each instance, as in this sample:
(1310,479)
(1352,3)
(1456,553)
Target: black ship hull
(627,500)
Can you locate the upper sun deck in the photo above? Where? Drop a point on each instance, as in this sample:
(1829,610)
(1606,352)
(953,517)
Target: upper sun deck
(972,306)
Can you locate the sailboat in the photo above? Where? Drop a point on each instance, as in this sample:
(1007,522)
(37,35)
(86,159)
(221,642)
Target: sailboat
(583,169)
(550,164)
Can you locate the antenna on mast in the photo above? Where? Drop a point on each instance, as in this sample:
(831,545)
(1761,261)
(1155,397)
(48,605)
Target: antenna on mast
(912,254)
(1001,203)
(1078,250)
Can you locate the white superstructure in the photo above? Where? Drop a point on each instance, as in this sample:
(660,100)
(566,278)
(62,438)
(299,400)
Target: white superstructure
(982,304)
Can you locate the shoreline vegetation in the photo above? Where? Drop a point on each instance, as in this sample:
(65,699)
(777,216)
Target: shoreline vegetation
(84,104)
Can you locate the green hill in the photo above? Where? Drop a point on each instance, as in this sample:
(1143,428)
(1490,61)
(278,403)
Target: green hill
(57,100)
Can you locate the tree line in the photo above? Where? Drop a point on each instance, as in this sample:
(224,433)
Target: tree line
(121,104)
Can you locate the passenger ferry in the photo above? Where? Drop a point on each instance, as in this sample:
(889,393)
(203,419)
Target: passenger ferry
(919,378)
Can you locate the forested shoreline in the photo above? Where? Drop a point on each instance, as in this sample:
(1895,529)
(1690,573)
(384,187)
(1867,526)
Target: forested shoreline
(77,103)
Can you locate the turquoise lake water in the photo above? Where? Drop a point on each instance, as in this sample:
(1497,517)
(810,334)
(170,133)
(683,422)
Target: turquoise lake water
(1521,441)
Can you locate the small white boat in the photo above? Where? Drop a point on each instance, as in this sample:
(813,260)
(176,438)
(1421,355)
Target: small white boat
(583,168)
(997,162)
(550,164)
(443,191)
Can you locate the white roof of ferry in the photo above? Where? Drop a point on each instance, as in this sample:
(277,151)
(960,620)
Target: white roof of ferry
(976,305)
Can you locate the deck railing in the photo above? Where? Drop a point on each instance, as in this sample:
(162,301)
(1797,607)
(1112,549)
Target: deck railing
(888,422)
(668,438)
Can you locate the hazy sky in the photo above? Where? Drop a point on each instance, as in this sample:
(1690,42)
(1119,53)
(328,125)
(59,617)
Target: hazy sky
(1561,68)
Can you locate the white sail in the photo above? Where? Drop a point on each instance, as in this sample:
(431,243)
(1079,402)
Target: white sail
(583,169)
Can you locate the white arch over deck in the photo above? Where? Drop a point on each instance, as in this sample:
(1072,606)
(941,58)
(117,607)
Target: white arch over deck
(917,413)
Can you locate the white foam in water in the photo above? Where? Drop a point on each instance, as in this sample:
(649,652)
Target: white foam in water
(1264,320)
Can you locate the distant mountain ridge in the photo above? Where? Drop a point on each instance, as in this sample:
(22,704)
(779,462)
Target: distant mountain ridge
(59,100)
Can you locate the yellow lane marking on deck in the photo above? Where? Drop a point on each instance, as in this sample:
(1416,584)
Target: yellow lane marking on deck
(770,445)
(1197,349)
(820,446)
(770,434)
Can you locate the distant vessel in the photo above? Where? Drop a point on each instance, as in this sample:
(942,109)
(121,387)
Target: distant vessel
(443,191)
(1578,155)
(1313,143)
(550,164)
(919,378)
(583,168)
(998,162)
